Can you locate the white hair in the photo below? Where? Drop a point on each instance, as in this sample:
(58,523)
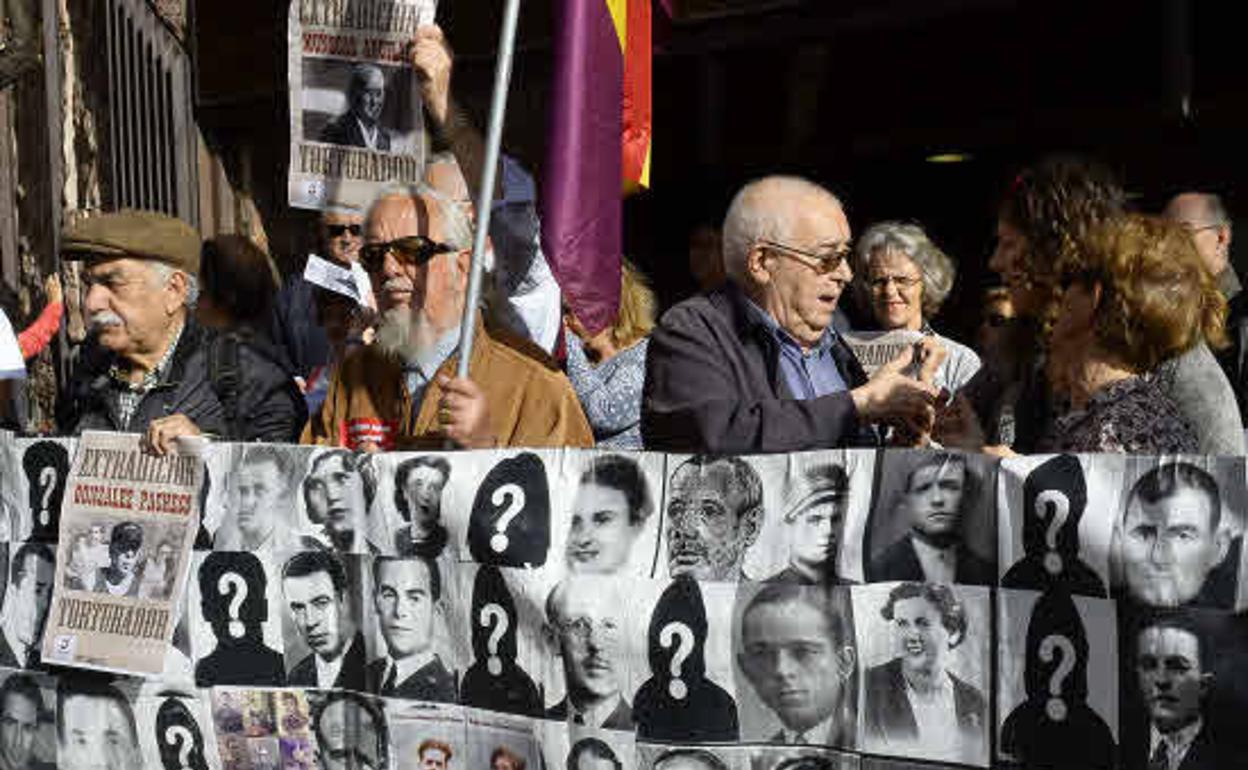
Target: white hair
(763,210)
(163,271)
(936,268)
(457,228)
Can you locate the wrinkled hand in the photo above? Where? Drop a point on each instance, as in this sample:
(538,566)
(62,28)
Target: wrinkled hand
(464,414)
(931,355)
(892,398)
(52,288)
(162,434)
(957,426)
(432,60)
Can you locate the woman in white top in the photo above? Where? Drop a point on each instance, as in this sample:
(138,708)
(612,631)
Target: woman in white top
(903,278)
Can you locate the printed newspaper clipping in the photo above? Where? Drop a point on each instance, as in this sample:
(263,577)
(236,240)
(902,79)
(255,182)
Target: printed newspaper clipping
(356,118)
(127,528)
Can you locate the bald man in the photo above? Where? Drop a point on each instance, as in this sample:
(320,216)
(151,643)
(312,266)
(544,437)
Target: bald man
(756,366)
(401,392)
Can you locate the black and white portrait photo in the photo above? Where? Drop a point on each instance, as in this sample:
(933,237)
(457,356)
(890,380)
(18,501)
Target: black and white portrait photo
(95,725)
(407,597)
(1061,532)
(418,485)
(236,632)
(924,650)
(610,527)
(497,678)
(661,757)
(1058,672)
(801,758)
(1183,698)
(594,753)
(351,732)
(679,702)
(796,660)
(27,737)
(814,522)
(360,104)
(261,515)
(321,621)
(586,623)
(1178,538)
(337,494)
(933,519)
(714,508)
(125,558)
(24,602)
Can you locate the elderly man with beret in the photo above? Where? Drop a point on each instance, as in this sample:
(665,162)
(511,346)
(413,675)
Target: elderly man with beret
(147,366)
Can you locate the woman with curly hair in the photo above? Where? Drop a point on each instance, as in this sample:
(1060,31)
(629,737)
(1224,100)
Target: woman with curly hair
(1044,222)
(1134,296)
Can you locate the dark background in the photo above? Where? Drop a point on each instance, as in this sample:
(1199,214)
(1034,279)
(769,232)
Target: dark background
(852,93)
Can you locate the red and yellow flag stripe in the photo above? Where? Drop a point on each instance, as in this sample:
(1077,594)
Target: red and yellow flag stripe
(632,26)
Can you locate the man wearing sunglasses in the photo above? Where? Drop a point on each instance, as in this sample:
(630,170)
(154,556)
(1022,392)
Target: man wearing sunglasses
(756,366)
(400,392)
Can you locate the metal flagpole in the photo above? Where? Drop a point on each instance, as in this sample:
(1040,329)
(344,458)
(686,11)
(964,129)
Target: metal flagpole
(498,111)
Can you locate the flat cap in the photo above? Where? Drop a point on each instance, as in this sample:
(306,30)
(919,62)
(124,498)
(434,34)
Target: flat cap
(816,485)
(136,234)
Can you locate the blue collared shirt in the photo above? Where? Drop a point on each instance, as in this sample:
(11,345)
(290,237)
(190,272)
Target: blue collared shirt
(420,373)
(807,374)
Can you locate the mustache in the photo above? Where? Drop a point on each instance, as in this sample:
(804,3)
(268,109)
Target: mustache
(104,318)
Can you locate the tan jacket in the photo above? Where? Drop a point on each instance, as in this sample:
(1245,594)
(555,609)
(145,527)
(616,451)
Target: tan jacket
(530,404)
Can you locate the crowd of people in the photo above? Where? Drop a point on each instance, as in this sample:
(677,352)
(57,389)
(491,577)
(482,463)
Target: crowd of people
(1112,330)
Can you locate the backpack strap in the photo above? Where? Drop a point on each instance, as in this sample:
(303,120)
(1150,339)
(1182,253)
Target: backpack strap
(225,374)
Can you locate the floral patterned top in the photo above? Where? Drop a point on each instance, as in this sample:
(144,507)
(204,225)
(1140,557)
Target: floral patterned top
(1134,416)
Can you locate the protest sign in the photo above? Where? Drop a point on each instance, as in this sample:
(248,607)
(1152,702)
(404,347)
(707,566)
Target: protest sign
(127,527)
(874,349)
(356,116)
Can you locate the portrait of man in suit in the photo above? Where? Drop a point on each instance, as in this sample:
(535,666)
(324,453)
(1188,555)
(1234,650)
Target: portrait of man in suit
(914,701)
(814,519)
(936,496)
(407,594)
(418,485)
(1173,668)
(798,655)
(21,717)
(714,513)
(263,481)
(1173,539)
(583,620)
(360,125)
(315,586)
(25,609)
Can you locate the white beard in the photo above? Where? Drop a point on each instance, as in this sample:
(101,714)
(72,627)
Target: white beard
(404,333)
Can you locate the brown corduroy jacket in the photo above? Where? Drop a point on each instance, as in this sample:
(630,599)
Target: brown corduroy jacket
(530,404)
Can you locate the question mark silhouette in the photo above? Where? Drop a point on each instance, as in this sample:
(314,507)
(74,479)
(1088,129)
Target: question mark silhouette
(232,580)
(1061,511)
(47,482)
(515,504)
(179,735)
(501,623)
(1055,707)
(677,632)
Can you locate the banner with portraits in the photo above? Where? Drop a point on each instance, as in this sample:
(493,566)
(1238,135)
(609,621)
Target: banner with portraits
(356,115)
(590,610)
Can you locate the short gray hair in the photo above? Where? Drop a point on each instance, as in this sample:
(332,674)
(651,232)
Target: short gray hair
(163,271)
(758,212)
(936,268)
(456,225)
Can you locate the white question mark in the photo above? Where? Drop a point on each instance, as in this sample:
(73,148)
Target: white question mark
(181,736)
(515,504)
(1056,707)
(47,482)
(678,689)
(496,613)
(1061,511)
(224,584)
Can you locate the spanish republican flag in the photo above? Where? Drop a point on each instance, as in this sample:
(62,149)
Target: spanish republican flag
(598,147)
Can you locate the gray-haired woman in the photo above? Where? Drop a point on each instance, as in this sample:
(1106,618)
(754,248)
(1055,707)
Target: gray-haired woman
(904,278)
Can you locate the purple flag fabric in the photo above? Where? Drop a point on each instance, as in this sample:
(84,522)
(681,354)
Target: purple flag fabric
(581,195)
